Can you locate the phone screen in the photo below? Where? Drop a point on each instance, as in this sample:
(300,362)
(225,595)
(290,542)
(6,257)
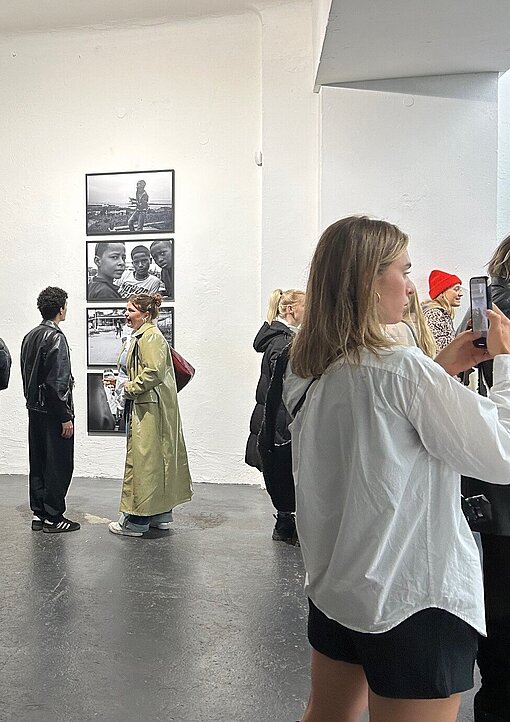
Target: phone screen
(480,302)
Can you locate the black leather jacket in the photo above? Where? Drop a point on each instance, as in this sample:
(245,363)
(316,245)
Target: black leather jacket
(46,371)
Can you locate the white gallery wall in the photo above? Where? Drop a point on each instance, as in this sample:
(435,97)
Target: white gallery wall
(186,96)
(421,153)
(203,97)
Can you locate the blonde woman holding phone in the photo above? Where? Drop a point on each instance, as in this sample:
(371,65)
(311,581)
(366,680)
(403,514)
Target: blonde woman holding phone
(392,570)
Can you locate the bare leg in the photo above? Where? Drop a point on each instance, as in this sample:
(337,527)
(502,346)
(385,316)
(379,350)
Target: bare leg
(339,691)
(383,709)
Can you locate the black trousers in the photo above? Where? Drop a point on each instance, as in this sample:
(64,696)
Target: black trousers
(494,650)
(51,465)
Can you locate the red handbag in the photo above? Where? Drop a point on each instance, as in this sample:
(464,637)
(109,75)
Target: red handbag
(184,371)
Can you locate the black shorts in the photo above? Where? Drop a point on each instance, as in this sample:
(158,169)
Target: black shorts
(430,655)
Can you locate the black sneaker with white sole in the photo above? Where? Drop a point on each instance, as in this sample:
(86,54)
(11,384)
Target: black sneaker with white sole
(60,525)
(37,523)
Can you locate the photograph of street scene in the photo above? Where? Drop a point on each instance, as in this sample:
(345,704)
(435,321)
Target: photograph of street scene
(105,402)
(108,334)
(130,202)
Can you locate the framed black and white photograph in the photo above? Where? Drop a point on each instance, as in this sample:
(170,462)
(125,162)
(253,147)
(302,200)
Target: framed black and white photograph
(117,269)
(107,333)
(130,202)
(105,402)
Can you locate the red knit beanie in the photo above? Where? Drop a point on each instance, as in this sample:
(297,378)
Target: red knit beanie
(440,281)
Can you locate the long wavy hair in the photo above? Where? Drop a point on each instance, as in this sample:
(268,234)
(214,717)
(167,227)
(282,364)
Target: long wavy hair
(499,264)
(341,313)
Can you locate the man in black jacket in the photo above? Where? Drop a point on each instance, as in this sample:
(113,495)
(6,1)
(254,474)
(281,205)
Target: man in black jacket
(48,387)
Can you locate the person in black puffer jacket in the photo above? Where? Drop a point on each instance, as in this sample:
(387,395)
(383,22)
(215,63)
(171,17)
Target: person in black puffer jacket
(284,314)
(492,701)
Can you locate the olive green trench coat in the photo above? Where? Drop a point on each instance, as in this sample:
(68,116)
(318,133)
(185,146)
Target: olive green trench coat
(156,476)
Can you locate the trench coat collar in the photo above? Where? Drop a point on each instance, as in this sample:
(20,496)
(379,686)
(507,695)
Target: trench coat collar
(143,328)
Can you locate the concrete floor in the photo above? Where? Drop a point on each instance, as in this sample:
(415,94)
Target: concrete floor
(205,622)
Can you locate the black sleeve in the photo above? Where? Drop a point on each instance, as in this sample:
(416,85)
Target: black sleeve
(5,365)
(59,381)
(277,346)
(501,297)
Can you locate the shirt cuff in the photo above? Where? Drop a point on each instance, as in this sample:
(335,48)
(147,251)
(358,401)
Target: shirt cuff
(501,369)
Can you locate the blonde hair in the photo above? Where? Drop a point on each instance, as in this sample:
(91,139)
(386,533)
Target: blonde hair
(147,303)
(499,264)
(279,299)
(441,302)
(341,314)
(415,316)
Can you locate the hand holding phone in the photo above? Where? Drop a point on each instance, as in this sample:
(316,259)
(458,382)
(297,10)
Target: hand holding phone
(480,295)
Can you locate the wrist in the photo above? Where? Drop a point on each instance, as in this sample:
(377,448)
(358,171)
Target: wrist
(451,369)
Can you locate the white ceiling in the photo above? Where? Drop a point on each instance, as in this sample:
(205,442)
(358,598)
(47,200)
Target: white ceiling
(365,39)
(376,39)
(21,16)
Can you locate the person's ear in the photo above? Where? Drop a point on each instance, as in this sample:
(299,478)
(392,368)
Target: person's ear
(97,260)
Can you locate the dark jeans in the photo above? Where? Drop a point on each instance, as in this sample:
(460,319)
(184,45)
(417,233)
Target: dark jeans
(51,465)
(494,650)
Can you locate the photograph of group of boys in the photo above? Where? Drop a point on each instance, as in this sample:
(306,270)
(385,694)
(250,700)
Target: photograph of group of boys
(130,202)
(118,269)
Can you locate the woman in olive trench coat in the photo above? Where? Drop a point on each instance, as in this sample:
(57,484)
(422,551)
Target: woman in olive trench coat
(156,475)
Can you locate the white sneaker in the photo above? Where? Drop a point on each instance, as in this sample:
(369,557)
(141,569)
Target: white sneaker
(117,528)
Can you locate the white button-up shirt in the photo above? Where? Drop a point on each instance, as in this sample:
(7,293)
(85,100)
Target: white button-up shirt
(377,452)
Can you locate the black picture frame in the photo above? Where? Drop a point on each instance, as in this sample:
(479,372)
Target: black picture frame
(116,205)
(103,417)
(106,333)
(117,282)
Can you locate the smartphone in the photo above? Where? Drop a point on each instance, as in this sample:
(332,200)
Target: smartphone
(480,294)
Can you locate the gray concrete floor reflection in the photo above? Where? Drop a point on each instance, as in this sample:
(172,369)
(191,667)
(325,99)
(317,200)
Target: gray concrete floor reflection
(206,622)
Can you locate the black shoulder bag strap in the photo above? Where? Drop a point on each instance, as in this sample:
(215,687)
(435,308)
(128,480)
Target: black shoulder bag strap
(274,397)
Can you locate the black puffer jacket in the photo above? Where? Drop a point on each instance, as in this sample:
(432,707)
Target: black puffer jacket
(498,495)
(46,371)
(270,340)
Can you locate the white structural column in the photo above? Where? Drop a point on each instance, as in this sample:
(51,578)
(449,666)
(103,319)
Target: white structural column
(320,16)
(422,153)
(289,135)
(504,156)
